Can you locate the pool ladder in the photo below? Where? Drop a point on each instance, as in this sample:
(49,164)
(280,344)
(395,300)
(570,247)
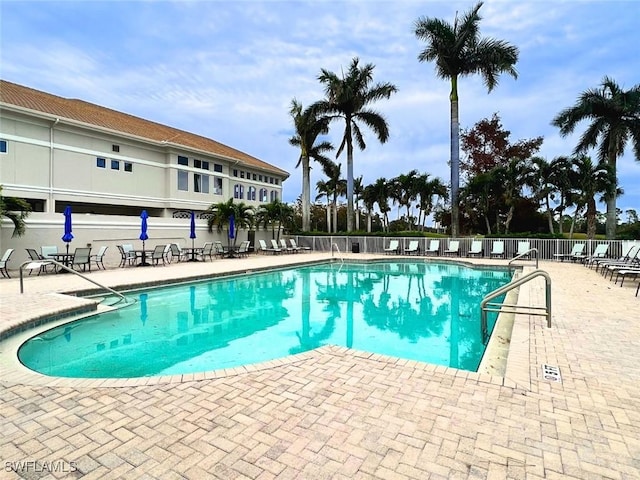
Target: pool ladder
(487,306)
(37,264)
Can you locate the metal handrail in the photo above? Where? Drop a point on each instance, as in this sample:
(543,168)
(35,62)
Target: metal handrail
(524,254)
(496,307)
(38,264)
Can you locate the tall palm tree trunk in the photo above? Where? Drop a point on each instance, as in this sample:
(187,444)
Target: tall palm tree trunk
(349,181)
(610,227)
(455,156)
(306,195)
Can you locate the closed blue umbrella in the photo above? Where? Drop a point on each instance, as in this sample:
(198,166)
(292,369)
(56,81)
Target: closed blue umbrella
(143,228)
(232,226)
(192,236)
(68,236)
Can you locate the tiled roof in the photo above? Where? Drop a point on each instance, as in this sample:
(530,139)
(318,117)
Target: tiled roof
(91,114)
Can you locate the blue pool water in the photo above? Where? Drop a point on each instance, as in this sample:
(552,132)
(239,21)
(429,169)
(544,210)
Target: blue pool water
(421,311)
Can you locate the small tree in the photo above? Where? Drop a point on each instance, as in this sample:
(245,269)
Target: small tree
(221,219)
(16,210)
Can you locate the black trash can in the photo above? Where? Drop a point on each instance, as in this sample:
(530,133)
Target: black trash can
(355,247)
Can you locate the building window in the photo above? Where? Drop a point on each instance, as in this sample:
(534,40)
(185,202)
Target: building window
(260,178)
(251,193)
(217,167)
(235,173)
(3,146)
(115,164)
(242,174)
(197,164)
(200,183)
(263,195)
(271,180)
(183,181)
(217,186)
(101,162)
(277,181)
(248,175)
(183,160)
(274,195)
(238,191)
(255,176)
(128,167)
(205,165)
(115,148)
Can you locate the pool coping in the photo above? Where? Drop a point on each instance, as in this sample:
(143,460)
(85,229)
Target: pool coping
(13,335)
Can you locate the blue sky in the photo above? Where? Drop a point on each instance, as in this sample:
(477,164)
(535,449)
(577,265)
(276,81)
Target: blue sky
(228,70)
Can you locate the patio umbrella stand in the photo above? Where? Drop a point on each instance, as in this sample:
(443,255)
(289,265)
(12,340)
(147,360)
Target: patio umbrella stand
(192,236)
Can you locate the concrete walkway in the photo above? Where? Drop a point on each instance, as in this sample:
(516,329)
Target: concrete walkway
(340,414)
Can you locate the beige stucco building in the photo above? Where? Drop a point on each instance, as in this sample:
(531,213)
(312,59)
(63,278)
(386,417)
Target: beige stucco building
(109,166)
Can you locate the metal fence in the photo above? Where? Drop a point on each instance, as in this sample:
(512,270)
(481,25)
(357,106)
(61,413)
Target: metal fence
(548,249)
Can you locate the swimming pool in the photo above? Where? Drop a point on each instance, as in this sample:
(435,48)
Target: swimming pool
(416,310)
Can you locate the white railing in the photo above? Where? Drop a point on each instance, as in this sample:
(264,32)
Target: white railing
(546,248)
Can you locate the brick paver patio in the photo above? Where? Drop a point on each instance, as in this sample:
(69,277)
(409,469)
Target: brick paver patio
(340,414)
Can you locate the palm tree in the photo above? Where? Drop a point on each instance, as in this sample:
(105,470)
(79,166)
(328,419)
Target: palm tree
(381,192)
(358,190)
(404,192)
(221,214)
(369,200)
(334,187)
(276,214)
(324,190)
(458,50)
(16,210)
(308,126)
(615,119)
(347,99)
(592,179)
(427,189)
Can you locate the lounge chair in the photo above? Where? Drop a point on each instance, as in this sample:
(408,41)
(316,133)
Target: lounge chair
(157,255)
(82,256)
(629,253)
(413,248)
(264,248)
(39,262)
(627,272)
(394,247)
(578,249)
(286,248)
(99,257)
(599,253)
(476,249)
(523,249)
(434,247)
(497,249)
(298,247)
(278,248)
(454,248)
(3,262)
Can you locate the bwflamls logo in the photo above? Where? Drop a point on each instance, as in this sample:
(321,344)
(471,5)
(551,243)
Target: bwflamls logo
(45,466)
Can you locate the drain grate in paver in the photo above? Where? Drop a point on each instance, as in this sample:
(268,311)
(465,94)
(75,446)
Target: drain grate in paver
(551,373)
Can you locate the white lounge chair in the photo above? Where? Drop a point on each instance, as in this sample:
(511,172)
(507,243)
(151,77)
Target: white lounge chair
(598,253)
(394,247)
(264,248)
(413,248)
(577,249)
(523,249)
(3,262)
(99,257)
(497,249)
(297,247)
(434,247)
(285,248)
(454,248)
(476,249)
